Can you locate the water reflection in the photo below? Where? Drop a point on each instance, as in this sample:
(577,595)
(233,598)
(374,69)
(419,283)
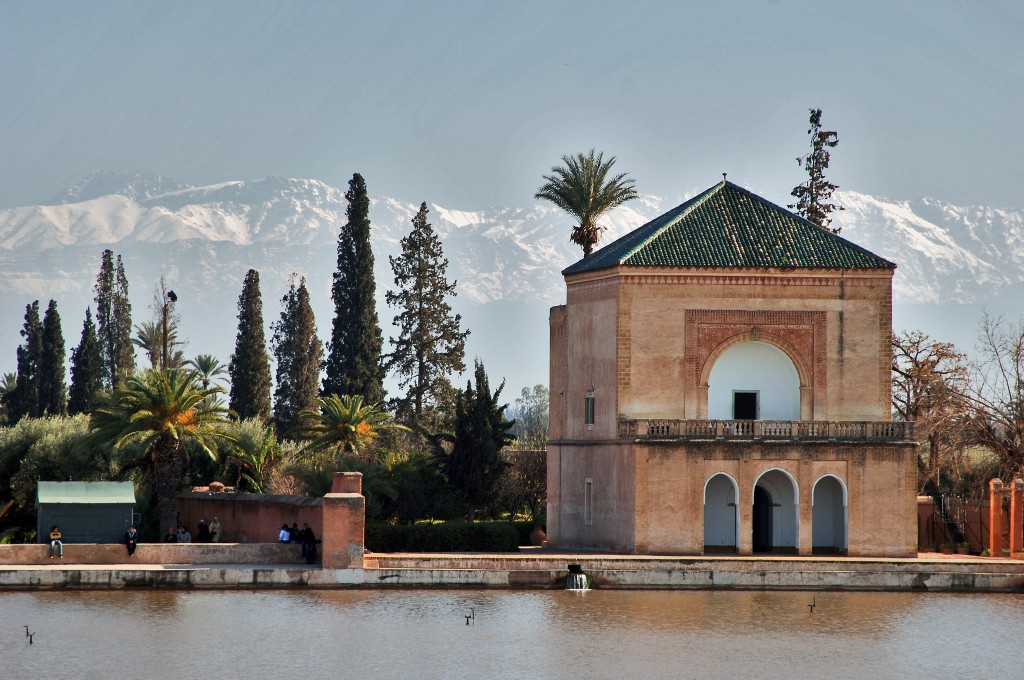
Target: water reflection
(516,634)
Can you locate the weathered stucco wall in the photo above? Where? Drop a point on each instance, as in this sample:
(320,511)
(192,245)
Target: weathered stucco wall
(249,518)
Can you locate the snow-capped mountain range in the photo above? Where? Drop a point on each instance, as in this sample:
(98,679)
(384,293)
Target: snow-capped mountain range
(506,260)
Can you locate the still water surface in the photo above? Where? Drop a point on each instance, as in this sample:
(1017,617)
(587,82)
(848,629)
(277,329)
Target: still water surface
(516,634)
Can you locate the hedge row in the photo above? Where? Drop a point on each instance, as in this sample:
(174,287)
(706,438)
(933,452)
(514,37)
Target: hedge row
(444,537)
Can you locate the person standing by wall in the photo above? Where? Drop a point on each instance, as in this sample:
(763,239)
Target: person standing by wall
(215,530)
(131,539)
(55,540)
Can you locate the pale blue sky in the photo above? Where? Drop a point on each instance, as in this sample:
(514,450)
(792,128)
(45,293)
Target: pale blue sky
(467,104)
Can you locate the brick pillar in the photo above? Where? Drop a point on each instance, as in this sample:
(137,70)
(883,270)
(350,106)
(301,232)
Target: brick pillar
(1017,515)
(344,522)
(995,518)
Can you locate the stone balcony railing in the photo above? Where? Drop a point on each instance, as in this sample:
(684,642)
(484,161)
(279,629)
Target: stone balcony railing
(791,430)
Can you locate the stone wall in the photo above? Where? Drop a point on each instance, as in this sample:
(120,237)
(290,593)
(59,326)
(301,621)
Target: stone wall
(154,553)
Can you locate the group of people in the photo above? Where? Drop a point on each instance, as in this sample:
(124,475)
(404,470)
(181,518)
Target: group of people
(205,533)
(304,536)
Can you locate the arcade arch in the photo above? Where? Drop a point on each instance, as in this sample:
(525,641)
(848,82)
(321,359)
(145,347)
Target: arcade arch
(775,516)
(721,519)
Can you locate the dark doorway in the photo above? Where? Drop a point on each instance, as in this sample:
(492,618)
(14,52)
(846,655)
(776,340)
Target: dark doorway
(762,519)
(744,405)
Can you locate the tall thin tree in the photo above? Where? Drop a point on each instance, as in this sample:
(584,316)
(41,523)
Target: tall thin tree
(299,355)
(582,187)
(113,320)
(25,399)
(431,344)
(86,369)
(249,366)
(354,358)
(812,197)
(53,391)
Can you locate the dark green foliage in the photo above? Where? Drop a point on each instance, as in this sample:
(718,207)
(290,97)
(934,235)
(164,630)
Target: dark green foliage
(473,464)
(813,195)
(249,367)
(53,391)
(354,361)
(430,345)
(49,449)
(24,401)
(443,537)
(583,189)
(114,320)
(420,491)
(86,369)
(8,385)
(299,355)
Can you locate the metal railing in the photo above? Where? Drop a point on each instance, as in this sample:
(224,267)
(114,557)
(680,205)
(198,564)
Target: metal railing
(797,430)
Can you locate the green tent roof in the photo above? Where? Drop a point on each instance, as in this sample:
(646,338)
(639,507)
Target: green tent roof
(728,226)
(85,492)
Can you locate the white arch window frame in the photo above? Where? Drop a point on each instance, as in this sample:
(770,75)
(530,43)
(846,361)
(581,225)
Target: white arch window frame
(736,492)
(842,485)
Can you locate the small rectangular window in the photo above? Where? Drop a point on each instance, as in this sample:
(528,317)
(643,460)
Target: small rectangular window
(588,410)
(588,502)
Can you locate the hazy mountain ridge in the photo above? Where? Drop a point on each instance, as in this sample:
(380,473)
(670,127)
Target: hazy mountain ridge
(203,239)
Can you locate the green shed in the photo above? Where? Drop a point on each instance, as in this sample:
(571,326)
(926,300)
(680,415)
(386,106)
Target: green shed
(86,512)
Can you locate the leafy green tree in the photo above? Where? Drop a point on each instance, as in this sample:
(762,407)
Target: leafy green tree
(165,412)
(255,455)
(86,369)
(471,457)
(25,398)
(812,197)
(354,358)
(53,391)
(249,367)
(582,187)
(431,344)
(343,425)
(299,355)
(114,320)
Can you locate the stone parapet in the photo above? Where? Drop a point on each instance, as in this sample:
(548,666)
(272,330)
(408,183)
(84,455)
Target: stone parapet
(153,553)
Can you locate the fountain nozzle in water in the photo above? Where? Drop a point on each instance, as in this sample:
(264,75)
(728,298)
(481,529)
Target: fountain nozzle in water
(576,579)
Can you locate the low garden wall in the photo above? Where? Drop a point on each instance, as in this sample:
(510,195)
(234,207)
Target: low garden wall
(249,517)
(154,553)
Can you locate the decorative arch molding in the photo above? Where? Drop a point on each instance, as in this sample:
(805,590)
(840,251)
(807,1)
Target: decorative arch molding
(789,476)
(842,485)
(735,485)
(800,335)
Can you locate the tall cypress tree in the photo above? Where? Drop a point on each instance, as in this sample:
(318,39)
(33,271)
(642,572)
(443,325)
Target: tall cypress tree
(813,195)
(86,369)
(113,320)
(53,390)
(474,465)
(25,399)
(431,344)
(354,360)
(249,366)
(299,355)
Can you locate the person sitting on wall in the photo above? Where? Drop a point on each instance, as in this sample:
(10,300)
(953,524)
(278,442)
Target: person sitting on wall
(55,540)
(285,536)
(183,535)
(203,534)
(131,539)
(171,536)
(308,544)
(215,530)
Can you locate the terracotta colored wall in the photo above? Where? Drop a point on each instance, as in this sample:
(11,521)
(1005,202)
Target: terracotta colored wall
(249,518)
(649,498)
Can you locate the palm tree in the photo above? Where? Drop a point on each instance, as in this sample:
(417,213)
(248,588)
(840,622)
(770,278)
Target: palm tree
(343,425)
(207,367)
(583,189)
(255,455)
(8,383)
(165,412)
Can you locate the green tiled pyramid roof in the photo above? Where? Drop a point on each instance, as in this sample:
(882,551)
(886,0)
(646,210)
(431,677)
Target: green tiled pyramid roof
(728,226)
